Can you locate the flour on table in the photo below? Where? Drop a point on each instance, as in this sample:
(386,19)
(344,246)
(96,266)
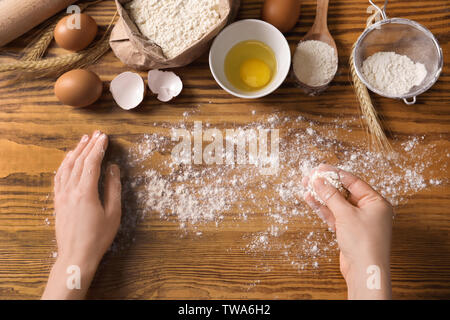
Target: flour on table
(267,212)
(198,197)
(392,73)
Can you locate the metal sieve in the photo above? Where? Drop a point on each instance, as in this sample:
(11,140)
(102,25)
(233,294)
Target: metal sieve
(405,37)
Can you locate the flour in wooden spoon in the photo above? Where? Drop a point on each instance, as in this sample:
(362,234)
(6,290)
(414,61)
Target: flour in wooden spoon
(315,62)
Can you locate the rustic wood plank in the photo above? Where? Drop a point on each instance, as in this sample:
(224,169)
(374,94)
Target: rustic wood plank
(36,131)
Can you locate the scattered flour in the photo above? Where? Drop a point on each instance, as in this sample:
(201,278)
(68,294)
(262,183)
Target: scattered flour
(392,73)
(198,196)
(174,25)
(315,62)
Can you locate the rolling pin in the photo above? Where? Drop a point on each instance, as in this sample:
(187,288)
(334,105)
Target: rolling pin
(18,17)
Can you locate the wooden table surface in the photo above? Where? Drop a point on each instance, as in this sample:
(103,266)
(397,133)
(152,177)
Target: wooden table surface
(36,131)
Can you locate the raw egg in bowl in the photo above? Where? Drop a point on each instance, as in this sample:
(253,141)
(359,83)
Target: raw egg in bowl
(250,58)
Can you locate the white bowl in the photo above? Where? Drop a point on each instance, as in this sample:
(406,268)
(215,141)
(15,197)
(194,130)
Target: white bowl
(249,29)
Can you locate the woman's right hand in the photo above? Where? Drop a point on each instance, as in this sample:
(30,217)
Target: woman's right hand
(363,225)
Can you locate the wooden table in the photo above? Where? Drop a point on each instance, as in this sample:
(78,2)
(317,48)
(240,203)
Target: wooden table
(36,131)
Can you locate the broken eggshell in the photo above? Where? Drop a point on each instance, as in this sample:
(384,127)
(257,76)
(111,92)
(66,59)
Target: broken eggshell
(128,90)
(165,84)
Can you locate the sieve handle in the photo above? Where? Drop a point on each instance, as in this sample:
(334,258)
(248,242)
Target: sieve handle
(409,102)
(381,11)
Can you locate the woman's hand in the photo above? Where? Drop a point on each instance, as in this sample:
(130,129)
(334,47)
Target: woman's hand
(363,225)
(85,228)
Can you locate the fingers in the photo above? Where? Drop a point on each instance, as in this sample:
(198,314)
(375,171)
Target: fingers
(359,190)
(334,202)
(112,192)
(92,163)
(79,162)
(323,212)
(57,179)
(65,169)
(326,167)
(333,199)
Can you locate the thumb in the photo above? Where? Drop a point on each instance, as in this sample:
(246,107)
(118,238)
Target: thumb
(333,199)
(112,194)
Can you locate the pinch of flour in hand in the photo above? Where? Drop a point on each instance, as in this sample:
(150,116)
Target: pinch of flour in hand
(330,177)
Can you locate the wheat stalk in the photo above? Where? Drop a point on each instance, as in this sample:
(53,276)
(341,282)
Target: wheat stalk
(32,66)
(374,130)
(38,47)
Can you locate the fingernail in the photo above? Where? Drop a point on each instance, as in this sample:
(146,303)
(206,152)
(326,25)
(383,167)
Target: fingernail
(103,136)
(84,138)
(96,134)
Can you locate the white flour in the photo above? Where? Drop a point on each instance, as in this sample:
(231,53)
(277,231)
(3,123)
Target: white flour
(174,25)
(315,62)
(198,197)
(330,177)
(392,73)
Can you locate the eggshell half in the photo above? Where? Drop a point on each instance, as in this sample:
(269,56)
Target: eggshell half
(165,84)
(127,90)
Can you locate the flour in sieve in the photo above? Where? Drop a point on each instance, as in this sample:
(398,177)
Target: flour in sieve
(392,73)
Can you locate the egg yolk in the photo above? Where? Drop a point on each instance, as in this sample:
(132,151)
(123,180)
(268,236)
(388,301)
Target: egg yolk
(255,73)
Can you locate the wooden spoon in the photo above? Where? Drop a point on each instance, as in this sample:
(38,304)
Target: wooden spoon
(319,31)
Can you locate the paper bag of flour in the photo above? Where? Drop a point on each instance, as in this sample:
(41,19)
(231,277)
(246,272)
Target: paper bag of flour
(138,52)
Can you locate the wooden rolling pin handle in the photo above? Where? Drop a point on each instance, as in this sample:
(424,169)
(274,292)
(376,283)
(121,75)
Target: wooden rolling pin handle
(18,17)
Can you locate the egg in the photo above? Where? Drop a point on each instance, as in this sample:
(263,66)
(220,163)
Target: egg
(283,14)
(69,37)
(78,88)
(255,73)
(250,65)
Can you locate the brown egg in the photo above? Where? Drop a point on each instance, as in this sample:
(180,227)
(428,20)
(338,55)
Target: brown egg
(78,88)
(67,36)
(282,14)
